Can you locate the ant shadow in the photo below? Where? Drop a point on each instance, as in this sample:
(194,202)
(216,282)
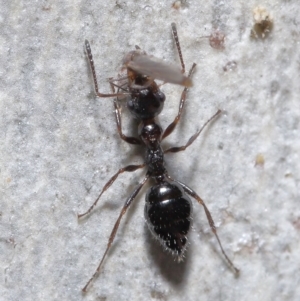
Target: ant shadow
(169,268)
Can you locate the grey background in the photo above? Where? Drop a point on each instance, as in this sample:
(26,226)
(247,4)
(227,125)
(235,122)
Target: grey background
(59,146)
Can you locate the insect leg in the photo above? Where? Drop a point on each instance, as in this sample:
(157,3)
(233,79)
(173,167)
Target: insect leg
(193,194)
(129,168)
(172,125)
(115,228)
(131,140)
(193,138)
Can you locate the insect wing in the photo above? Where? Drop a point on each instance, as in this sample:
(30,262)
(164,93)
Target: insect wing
(158,69)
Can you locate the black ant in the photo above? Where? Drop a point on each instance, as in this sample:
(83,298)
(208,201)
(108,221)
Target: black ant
(168,206)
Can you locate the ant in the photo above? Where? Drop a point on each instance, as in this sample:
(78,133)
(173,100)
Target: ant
(168,206)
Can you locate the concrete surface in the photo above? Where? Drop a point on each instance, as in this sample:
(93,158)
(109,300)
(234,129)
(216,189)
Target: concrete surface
(59,146)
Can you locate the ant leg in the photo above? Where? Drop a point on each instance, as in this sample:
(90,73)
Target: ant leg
(115,228)
(91,61)
(193,194)
(193,138)
(172,125)
(131,140)
(120,87)
(129,168)
(175,35)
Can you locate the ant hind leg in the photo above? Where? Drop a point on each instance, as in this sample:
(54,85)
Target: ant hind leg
(193,194)
(115,228)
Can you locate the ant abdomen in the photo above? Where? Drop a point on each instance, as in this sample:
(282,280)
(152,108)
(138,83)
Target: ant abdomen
(168,213)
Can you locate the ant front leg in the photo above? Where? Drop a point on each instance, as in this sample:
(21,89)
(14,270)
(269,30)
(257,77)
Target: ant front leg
(115,228)
(129,168)
(172,125)
(193,194)
(193,138)
(130,140)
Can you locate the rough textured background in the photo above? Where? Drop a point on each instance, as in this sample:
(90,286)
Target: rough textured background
(59,145)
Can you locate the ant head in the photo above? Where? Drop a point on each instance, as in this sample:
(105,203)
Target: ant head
(146,103)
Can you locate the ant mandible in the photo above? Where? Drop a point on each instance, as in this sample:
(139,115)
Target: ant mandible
(168,206)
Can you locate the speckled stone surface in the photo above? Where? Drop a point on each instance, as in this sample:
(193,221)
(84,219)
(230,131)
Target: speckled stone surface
(59,146)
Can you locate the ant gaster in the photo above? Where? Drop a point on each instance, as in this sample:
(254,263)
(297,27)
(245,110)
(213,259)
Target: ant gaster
(168,206)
